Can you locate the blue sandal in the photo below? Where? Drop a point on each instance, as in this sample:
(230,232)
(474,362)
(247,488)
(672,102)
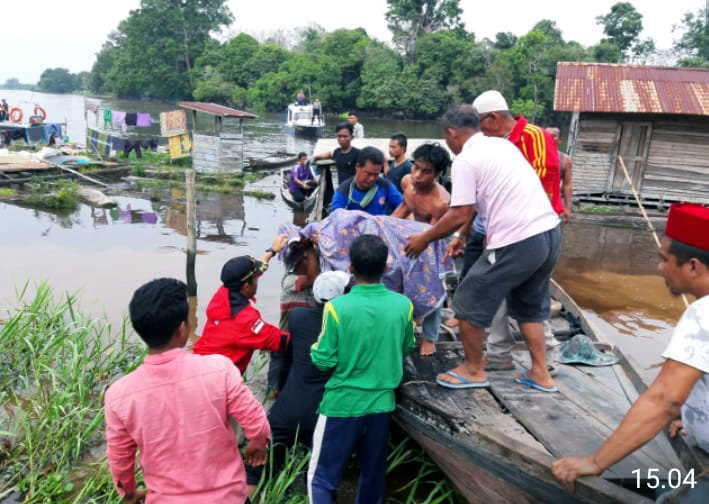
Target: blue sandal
(464,382)
(528,382)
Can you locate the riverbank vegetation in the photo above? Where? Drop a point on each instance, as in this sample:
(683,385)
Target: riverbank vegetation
(55,366)
(166,52)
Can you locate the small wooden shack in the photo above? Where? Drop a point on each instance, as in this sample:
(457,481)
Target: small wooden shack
(655,118)
(218,146)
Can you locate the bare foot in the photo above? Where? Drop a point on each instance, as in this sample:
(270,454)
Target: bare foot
(427,348)
(465,371)
(451,323)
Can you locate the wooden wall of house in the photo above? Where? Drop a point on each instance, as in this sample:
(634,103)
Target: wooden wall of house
(593,151)
(678,159)
(677,164)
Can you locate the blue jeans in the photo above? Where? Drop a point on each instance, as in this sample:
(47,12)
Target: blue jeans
(432,323)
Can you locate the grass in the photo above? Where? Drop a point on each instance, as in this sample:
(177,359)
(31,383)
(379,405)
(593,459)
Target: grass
(55,365)
(260,194)
(7,192)
(54,195)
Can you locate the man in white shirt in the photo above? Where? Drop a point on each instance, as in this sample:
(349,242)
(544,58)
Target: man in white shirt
(682,387)
(490,176)
(356,125)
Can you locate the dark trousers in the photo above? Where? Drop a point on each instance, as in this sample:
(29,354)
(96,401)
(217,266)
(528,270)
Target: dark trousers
(278,368)
(282,438)
(334,441)
(473,250)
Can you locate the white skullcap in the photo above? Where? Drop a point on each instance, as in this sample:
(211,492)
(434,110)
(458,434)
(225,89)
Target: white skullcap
(490,101)
(329,285)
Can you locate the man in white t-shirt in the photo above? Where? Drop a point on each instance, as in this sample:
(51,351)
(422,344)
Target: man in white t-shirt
(682,387)
(490,176)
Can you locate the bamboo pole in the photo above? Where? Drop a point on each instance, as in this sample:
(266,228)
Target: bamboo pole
(191,217)
(644,213)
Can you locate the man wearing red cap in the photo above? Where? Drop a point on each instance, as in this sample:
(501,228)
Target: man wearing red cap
(682,387)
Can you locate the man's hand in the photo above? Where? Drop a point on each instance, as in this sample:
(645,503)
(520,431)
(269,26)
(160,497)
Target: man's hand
(569,469)
(279,242)
(454,249)
(566,216)
(675,427)
(415,245)
(135,497)
(256,453)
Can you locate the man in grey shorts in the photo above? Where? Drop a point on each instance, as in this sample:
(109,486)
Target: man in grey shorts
(491,177)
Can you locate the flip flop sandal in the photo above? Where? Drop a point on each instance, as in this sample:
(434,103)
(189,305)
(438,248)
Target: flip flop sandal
(528,382)
(464,382)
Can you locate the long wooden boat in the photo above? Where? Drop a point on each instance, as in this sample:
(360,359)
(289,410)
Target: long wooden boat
(497,444)
(301,206)
(272,162)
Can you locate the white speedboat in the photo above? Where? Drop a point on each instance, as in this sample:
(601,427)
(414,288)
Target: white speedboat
(301,122)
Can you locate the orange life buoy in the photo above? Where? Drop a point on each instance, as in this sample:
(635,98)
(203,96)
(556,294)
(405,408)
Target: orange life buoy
(40,112)
(16,114)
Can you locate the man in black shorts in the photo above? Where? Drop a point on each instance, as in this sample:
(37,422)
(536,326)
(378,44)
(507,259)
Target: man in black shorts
(490,176)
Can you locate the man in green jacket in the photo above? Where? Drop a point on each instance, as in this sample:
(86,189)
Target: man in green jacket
(364,339)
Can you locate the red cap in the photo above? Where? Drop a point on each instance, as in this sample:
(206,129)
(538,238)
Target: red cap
(689,223)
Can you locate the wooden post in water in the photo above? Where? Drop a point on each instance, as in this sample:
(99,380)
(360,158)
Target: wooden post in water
(191,217)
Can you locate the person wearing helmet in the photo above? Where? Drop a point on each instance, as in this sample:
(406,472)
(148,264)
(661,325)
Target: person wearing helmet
(294,414)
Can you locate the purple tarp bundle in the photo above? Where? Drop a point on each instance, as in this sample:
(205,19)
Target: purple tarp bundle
(418,279)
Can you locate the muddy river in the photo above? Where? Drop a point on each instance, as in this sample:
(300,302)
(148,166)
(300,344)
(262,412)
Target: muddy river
(104,255)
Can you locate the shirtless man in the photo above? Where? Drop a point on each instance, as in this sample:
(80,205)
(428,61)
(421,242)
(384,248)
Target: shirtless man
(428,201)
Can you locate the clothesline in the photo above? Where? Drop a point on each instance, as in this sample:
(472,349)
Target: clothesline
(104,143)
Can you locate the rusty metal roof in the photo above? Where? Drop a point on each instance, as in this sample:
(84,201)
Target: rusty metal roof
(633,89)
(214,109)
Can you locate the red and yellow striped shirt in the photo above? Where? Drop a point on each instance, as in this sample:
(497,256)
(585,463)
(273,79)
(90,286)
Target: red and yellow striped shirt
(542,153)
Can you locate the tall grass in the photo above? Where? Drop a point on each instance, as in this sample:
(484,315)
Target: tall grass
(55,365)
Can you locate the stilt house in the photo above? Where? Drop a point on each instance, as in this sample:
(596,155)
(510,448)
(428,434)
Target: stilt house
(655,118)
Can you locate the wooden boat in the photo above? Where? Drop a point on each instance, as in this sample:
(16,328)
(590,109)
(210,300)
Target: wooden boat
(497,444)
(301,206)
(271,162)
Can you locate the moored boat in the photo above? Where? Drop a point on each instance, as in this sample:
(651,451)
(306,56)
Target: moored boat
(497,444)
(302,206)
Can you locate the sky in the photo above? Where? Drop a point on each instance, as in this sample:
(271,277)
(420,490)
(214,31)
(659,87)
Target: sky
(42,34)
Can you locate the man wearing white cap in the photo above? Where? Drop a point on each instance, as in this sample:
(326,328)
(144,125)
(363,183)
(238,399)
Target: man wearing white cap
(292,417)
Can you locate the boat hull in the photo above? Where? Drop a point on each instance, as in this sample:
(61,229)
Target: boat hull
(305,131)
(306,205)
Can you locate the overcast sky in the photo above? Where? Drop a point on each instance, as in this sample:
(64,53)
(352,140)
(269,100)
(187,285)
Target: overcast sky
(40,34)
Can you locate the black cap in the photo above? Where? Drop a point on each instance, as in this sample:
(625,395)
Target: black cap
(294,253)
(238,270)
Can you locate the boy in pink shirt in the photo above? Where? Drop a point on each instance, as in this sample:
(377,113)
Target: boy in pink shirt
(175,408)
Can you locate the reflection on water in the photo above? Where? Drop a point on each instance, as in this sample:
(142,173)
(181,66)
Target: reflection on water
(613,273)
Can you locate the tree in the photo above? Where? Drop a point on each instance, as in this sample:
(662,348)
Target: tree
(58,80)
(14,83)
(152,54)
(409,19)
(622,26)
(693,45)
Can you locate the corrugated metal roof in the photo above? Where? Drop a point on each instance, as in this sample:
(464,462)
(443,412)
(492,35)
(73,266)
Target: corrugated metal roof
(214,109)
(635,89)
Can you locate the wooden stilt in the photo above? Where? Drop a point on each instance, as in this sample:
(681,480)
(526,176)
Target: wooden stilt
(191,216)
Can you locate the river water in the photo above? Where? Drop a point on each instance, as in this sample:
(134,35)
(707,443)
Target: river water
(104,255)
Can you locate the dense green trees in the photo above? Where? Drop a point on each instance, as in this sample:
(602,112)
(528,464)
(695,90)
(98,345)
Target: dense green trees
(59,80)
(164,50)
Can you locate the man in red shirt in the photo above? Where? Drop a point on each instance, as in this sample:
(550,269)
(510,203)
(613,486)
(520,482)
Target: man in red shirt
(234,326)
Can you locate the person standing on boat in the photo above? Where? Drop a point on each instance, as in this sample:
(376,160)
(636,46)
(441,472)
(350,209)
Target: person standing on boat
(539,149)
(234,326)
(358,128)
(317,111)
(565,174)
(301,181)
(345,156)
(682,386)
(490,176)
(300,98)
(364,338)
(428,201)
(398,166)
(367,190)
(4,110)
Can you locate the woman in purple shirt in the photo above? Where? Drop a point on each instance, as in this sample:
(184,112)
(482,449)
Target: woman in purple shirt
(301,180)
